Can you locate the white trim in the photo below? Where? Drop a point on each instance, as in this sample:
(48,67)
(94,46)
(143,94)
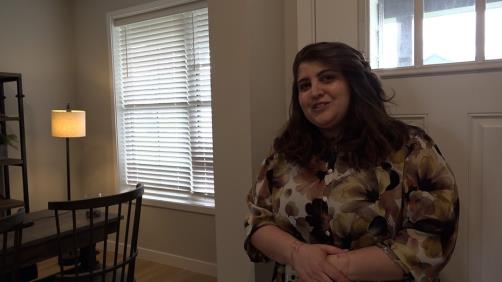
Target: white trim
(305,13)
(363,14)
(440,69)
(157,13)
(314,20)
(188,205)
(111,81)
(473,200)
(485,115)
(418,30)
(190,264)
(146,8)
(408,118)
(480,6)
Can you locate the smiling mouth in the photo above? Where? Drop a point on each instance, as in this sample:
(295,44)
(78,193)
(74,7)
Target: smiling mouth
(319,106)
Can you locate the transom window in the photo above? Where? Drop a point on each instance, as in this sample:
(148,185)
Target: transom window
(428,32)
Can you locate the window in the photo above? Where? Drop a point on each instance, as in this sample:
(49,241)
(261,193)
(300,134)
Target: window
(163,103)
(427,32)
(493,29)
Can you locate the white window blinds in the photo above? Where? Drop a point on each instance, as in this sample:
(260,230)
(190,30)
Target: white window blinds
(163,103)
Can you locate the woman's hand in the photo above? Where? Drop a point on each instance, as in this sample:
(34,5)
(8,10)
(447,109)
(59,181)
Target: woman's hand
(311,264)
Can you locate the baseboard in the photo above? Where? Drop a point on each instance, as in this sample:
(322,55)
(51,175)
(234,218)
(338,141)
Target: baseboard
(194,265)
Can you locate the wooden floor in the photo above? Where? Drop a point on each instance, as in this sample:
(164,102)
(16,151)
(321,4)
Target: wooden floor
(146,271)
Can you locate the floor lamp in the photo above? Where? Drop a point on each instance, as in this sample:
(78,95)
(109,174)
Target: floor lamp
(68,124)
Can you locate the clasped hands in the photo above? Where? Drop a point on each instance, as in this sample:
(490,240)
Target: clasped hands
(318,262)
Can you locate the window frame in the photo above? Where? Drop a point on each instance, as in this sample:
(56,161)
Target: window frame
(419,69)
(192,202)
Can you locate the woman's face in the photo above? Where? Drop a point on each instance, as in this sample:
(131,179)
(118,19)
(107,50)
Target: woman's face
(323,95)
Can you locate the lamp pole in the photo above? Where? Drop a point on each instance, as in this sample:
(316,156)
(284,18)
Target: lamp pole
(68,167)
(68,160)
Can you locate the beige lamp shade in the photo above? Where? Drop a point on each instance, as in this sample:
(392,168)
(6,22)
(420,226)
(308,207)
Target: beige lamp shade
(68,123)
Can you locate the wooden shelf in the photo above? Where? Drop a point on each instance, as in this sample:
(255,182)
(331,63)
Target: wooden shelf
(6,118)
(4,162)
(7,204)
(7,76)
(19,161)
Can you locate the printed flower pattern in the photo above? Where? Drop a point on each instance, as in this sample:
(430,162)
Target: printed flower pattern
(407,205)
(310,182)
(319,217)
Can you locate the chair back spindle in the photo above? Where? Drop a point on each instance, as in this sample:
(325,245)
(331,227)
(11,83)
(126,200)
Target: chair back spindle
(92,222)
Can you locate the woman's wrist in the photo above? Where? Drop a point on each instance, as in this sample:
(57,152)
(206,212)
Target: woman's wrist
(293,250)
(341,262)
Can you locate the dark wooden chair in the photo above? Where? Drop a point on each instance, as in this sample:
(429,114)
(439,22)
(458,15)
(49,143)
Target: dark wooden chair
(13,225)
(103,214)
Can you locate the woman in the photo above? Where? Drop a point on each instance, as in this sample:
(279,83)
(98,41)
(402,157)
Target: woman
(350,193)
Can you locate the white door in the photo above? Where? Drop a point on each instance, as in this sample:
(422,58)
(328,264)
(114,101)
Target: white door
(463,114)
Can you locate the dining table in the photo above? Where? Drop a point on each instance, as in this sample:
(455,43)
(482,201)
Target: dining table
(40,240)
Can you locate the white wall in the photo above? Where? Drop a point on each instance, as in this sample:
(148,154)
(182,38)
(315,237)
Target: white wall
(36,41)
(346,15)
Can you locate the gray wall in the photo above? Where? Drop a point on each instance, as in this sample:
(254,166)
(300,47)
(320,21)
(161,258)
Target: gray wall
(170,232)
(247,44)
(36,41)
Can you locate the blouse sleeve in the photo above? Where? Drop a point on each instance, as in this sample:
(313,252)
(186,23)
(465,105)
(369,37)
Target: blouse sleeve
(261,203)
(426,240)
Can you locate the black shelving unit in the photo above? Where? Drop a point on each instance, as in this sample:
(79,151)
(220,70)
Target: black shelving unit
(7,202)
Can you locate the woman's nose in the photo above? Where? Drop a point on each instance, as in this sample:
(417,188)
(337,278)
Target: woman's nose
(317,89)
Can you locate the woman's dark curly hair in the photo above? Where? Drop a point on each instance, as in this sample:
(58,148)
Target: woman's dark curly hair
(367,134)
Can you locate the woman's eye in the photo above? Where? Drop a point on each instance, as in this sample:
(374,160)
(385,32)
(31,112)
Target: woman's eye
(327,77)
(303,86)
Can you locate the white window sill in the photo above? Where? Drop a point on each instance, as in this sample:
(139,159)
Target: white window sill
(440,69)
(194,205)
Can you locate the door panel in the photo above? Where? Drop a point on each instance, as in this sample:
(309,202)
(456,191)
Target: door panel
(463,114)
(486,159)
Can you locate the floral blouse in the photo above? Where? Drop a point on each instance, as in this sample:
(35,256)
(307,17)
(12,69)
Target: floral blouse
(408,206)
